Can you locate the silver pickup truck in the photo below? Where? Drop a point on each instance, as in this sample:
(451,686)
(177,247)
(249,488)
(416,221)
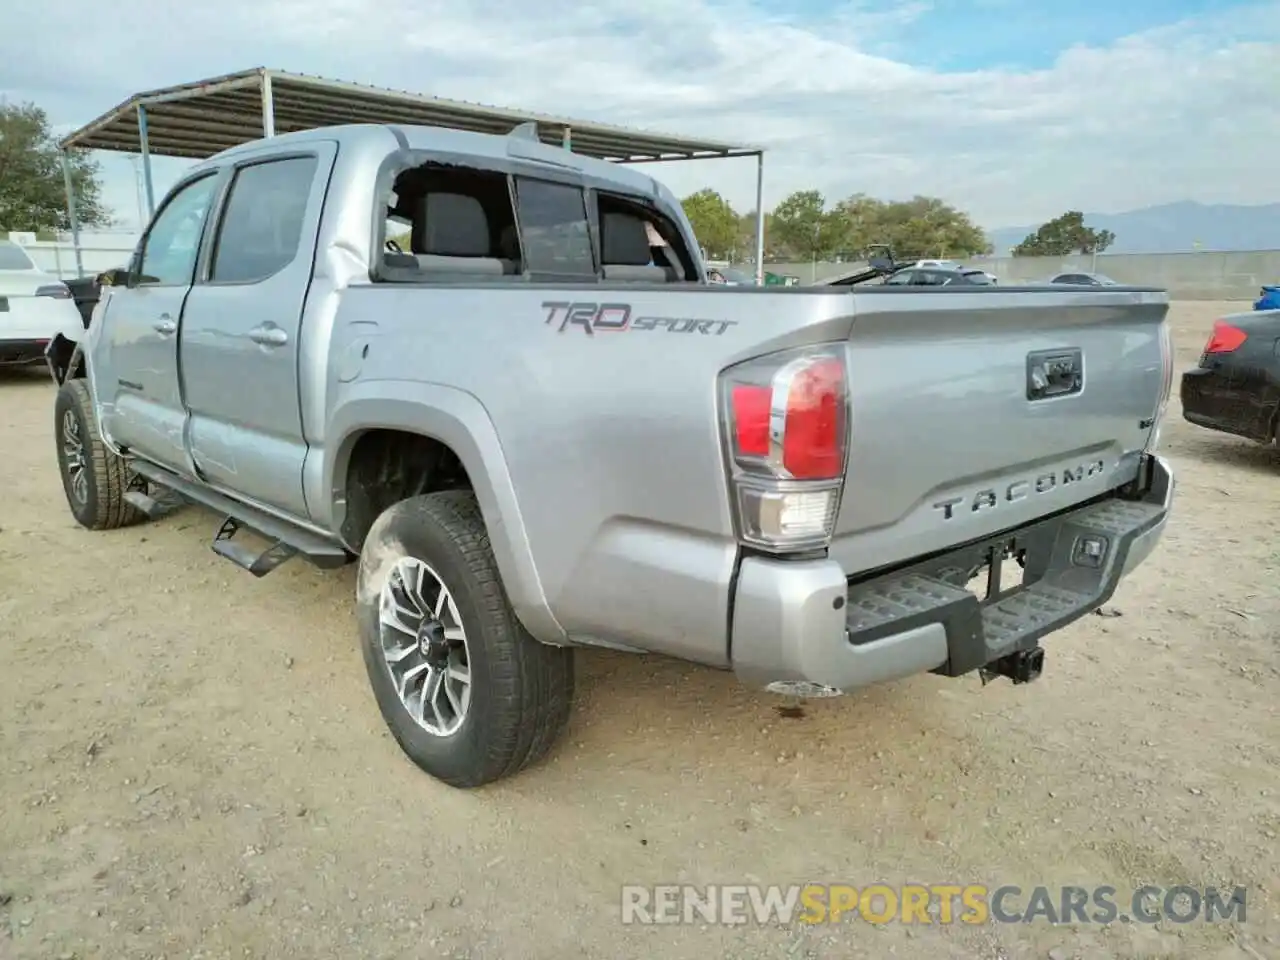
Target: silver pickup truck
(494,374)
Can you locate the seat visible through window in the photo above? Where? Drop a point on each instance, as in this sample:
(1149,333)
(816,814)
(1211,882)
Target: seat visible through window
(624,243)
(451,233)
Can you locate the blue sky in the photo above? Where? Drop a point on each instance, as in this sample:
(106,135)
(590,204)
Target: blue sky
(966,35)
(1014,111)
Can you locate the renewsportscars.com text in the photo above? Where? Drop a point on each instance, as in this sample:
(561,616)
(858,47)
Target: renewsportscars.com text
(734,904)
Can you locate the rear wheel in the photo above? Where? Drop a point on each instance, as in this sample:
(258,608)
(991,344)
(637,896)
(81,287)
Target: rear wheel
(94,479)
(468,694)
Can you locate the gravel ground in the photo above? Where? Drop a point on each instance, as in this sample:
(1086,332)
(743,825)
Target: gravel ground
(191,763)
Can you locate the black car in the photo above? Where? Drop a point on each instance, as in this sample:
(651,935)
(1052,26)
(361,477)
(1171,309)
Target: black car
(1236,387)
(939,277)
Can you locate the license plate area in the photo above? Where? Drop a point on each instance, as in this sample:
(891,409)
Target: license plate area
(998,572)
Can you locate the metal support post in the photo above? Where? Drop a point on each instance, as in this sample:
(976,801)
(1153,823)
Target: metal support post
(268,108)
(72,215)
(760,219)
(144,148)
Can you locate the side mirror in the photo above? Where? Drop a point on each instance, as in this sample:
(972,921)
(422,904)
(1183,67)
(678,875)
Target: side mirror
(115,277)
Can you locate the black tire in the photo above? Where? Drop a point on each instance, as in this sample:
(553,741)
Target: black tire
(521,689)
(100,503)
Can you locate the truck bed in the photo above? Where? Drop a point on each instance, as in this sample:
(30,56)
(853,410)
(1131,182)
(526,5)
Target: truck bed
(604,399)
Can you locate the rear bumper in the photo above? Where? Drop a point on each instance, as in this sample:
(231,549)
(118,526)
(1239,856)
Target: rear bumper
(802,621)
(1210,400)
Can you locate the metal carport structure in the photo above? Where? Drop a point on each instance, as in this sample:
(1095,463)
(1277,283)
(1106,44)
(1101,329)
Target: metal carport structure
(196,120)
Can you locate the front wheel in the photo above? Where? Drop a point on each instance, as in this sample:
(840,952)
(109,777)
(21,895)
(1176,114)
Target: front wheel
(94,479)
(468,694)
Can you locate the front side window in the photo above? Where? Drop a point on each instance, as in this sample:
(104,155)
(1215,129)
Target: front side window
(261,227)
(554,229)
(173,242)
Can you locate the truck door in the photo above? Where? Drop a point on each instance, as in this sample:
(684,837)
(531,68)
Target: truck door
(239,348)
(136,368)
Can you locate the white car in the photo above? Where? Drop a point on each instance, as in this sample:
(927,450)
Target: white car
(34,308)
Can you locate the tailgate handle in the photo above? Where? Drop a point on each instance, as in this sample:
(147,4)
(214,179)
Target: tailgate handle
(1054,373)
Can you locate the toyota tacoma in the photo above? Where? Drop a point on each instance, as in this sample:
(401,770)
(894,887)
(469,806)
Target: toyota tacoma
(539,428)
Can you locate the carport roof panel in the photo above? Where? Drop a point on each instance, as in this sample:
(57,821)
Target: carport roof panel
(196,120)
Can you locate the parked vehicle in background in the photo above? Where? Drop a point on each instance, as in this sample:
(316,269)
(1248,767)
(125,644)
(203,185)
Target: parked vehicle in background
(949,265)
(35,307)
(539,428)
(914,276)
(730,277)
(1268,298)
(1235,388)
(733,277)
(939,277)
(1081,279)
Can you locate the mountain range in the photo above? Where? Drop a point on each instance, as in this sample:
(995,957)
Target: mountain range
(1174,228)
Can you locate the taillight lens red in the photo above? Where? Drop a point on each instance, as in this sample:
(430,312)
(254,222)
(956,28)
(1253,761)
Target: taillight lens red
(751,419)
(813,438)
(786,426)
(810,395)
(1225,338)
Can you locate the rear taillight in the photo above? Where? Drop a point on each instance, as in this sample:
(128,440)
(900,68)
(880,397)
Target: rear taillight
(786,428)
(1166,386)
(1225,338)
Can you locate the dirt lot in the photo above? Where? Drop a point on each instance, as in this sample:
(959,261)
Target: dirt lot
(191,763)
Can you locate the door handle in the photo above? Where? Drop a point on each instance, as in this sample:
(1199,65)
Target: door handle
(165,325)
(269,336)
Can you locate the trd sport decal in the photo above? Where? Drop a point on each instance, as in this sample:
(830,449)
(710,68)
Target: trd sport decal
(596,318)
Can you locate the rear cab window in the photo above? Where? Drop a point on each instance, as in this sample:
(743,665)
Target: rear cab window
(555,233)
(454,223)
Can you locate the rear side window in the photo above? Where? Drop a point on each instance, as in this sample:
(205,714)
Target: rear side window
(554,229)
(261,227)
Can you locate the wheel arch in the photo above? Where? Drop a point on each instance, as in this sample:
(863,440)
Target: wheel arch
(458,421)
(65,359)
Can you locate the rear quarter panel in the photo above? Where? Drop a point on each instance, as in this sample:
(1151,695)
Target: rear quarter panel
(609,439)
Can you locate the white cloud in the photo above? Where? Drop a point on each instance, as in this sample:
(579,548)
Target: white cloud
(1179,112)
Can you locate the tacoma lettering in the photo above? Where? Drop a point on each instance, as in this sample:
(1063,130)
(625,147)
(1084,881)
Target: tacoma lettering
(992,497)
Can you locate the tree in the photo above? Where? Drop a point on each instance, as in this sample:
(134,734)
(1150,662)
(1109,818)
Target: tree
(714,222)
(802,224)
(916,228)
(1064,236)
(32,191)
(745,236)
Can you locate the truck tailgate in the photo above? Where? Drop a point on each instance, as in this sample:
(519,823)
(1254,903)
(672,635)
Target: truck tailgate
(978,412)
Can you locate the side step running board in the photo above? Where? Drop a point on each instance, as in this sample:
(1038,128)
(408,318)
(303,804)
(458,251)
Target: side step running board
(287,539)
(154,508)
